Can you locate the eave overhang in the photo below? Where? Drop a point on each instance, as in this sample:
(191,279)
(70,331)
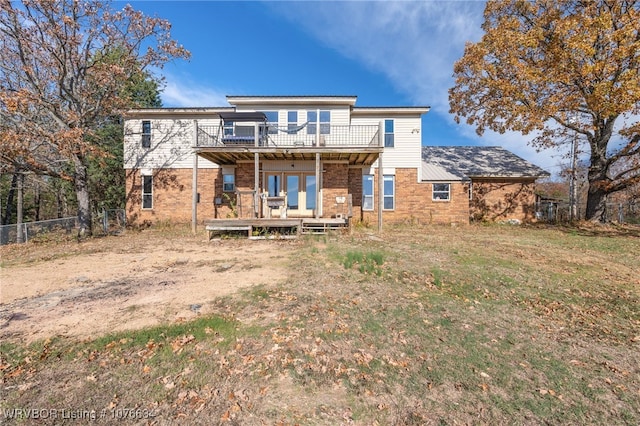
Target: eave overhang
(226,156)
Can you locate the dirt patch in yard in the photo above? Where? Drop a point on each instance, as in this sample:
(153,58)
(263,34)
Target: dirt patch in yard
(126,282)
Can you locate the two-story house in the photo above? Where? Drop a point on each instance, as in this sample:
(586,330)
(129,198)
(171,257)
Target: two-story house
(313,158)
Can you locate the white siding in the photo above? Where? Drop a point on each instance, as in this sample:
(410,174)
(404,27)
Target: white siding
(171,144)
(339,114)
(406,152)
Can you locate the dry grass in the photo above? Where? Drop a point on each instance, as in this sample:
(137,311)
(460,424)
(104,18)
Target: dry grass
(426,325)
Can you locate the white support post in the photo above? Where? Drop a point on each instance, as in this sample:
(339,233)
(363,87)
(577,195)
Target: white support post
(194,194)
(194,181)
(317,128)
(318,197)
(256,184)
(380,176)
(256,135)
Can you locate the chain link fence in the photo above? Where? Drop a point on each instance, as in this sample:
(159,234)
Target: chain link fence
(623,212)
(109,221)
(9,233)
(558,212)
(114,221)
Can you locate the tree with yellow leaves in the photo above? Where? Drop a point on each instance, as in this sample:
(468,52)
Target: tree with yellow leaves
(559,69)
(64,71)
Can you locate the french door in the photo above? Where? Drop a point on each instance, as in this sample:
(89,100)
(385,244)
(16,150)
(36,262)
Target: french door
(299,189)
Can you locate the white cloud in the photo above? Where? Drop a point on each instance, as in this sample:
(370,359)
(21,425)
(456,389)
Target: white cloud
(182,92)
(414,44)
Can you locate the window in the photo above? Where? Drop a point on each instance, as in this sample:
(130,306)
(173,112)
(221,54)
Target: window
(146,134)
(228,182)
(147,192)
(325,122)
(292,121)
(389,192)
(388,133)
(441,191)
(367,192)
(227,128)
(272,121)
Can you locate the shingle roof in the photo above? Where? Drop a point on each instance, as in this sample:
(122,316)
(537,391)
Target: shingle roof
(433,172)
(467,162)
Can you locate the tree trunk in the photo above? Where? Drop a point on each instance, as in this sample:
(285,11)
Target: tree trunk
(19,227)
(598,182)
(37,201)
(9,207)
(81,184)
(596,203)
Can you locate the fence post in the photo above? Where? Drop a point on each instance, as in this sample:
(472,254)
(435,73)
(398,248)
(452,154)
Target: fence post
(620,214)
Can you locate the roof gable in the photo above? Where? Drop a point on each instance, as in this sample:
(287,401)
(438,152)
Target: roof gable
(480,161)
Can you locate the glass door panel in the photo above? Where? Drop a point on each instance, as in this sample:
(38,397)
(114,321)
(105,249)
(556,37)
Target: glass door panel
(310,189)
(293,187)
(274,185)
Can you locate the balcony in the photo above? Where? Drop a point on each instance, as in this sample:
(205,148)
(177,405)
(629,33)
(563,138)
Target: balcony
(284,137)
(226,145)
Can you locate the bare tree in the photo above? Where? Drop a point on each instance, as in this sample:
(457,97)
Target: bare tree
(63,71)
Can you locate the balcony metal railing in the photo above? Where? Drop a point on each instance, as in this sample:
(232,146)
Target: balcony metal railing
(302,136)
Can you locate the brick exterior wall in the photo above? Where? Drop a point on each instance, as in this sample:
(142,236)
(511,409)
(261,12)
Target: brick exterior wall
(502,200)
(492,200)
(245,184)
(335,183)
(172,195)
(413,201)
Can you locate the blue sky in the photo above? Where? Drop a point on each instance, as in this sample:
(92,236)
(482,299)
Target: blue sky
(388,53)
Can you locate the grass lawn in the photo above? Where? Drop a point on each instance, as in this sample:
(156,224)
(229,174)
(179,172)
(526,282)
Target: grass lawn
(419,325)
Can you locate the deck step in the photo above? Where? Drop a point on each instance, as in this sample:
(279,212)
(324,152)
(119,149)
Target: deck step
(296,226)
(320,227)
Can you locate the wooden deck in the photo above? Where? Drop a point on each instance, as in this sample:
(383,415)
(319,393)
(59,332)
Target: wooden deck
(286,227)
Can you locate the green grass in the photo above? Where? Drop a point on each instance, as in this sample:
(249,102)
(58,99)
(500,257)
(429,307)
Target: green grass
(481,325)
(365,262)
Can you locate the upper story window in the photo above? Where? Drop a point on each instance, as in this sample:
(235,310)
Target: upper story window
(388,133)
(228,128)
(272,121)
(146,134)
(325,122)
(441,192)
(292,121)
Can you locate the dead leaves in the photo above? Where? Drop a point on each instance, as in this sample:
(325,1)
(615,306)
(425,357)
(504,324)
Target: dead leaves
(177,345)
